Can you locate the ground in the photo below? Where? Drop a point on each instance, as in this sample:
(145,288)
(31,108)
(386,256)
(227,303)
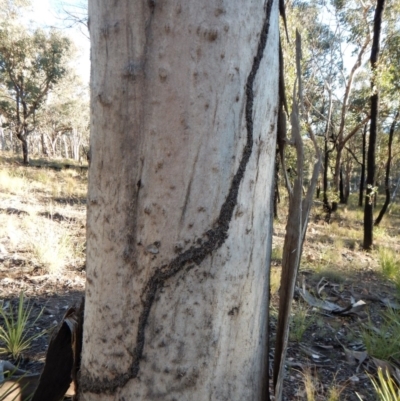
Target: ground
(42,245)
(331,354)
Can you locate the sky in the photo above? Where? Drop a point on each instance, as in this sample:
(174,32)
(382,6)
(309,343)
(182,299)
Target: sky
(49,13)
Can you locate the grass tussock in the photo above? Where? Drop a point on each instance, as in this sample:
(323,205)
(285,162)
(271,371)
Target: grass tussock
(302,318)
(275,279)
(389,262)
(277,253)
(50,244)
(14,335)
(11,184)
(331,275)
(383,342)
(386,389)
(314,390)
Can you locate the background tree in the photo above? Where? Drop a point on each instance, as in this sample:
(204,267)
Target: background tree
(387,170)
(75,14)
(328,87)
(64,118)
(30,66)
(368,208)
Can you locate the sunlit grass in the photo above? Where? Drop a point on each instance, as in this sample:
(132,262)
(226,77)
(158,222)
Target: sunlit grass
(23,180)
(314,390)
(50,244)
(12,184)
(275,279)
(386,389)
(277,253)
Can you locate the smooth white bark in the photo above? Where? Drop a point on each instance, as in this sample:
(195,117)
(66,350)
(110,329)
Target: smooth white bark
(177,276)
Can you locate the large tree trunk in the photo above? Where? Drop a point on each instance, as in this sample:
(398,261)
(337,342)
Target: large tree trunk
(184,99)
(369,206)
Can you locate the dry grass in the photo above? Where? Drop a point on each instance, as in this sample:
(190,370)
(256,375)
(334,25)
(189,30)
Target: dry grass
(314,389)
(42,215)
(275,279)
(50,244)
(11,184)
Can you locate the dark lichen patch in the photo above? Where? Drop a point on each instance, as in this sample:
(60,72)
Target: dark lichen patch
(234,311)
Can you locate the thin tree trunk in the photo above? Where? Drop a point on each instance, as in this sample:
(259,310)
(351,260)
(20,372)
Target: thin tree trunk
(25,150)
(2,135)
(180,200)
(44,146)
(12,141)
(326,204)
(362,176)
(299,211)
(65,143)
(347,182)
(387,173)
(277,198)
(393,197)
(369,207)
(341,186)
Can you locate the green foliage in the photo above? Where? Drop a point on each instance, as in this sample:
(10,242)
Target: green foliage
(277,253)
(10,9)
(275,279)
(329,273)
(383,342)
(14,331)
(390,265)
(30,65)
(301,320)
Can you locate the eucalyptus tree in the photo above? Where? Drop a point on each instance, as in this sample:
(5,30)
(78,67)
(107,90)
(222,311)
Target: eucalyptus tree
(388,76)
(11,9)
(353,21)
(184,98)
(368,208)
(327,84)
(75,14)
(65,117)
(30,65)
(320,69)
(388,169)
